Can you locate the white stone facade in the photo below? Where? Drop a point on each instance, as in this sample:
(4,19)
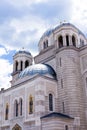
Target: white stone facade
(51,95)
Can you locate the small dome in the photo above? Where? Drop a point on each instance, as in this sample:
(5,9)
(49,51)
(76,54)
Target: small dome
(23,52)
(40,69)
(50,31)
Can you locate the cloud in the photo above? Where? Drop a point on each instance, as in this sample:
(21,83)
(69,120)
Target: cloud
(79,14)
(22,3)
(23,22)
(5,70)
(3,51)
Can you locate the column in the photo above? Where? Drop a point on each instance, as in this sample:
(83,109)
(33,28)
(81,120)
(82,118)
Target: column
(64,40)
(70,40)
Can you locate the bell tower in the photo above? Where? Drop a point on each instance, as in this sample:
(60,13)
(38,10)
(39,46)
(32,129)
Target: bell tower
(21,60)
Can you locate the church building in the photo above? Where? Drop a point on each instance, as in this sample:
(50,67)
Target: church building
(51,93)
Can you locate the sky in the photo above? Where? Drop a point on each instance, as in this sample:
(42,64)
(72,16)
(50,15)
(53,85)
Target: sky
(22,23)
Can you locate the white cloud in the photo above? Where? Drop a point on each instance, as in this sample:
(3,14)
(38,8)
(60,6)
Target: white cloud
(5,70)
(79,14)
(22,3)
(3,51)
(22,32)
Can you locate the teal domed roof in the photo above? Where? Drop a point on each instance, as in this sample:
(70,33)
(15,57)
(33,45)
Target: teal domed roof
(50,31)
(40,69)
(23,52)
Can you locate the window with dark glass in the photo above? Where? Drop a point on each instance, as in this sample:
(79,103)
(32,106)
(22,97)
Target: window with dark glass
(20,106)
(67,40)
(63,105)
(66,127)
(61,83)
(60,41)
(73,41)
(16,64)
(6,112)
(30,105)
(26,64)
(21,66)
(50,102)
(45,44)
(16,108)
(60,61)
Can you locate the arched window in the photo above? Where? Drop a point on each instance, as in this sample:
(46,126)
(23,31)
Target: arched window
(16,66)
(21,65)
(67,40)
(6,111)
(73,41)
(26,63)
(21,103)
(16,107)
(45,44)
(30,104)
(60,41)
(16,127)
(66,127)
(50,102)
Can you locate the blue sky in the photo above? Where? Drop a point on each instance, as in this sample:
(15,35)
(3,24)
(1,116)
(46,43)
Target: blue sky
(22,23)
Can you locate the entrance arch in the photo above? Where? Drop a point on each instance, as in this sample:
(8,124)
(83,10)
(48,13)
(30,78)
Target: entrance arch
(16,127)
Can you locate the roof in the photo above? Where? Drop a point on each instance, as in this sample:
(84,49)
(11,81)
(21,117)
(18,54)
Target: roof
(40,69)
(23,52)
(56,114)
(50,31)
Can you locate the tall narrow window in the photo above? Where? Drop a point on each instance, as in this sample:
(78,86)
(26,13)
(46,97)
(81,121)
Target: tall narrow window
(61,83)
(30,104)
(16,107)
(45,44)
(6,111)
(63,105)
(26,63)
(16,65)
(67,40)
(66,127)
(21,65)
(60,41)
(20,106)
(50,102)
(73,41)
(60,62)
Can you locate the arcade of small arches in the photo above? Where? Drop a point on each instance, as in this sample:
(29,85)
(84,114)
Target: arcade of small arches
(21,65)
(18,106)
(66,40)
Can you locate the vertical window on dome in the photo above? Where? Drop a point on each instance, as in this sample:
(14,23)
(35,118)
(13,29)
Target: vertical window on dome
(50,102)
(45,44)
(21,65)
(60,41)
(66,127)
(67,40)
(20,102)
(30,105)
(16,65)
(26,63)
(73,41)
(6,111)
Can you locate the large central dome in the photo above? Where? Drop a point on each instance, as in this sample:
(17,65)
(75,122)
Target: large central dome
(40,69)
